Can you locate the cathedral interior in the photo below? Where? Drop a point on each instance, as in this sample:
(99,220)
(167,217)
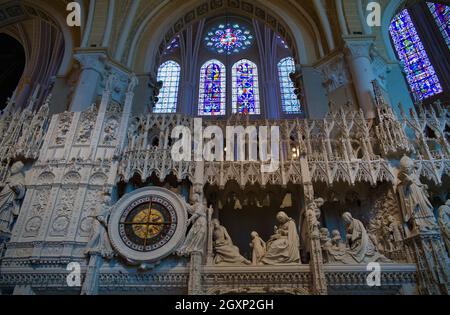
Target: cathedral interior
(93,202)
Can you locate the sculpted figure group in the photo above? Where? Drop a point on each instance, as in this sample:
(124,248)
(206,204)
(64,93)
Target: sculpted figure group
(281,248)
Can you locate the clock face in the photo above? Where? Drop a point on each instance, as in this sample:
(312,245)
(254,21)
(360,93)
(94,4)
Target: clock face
(147,224)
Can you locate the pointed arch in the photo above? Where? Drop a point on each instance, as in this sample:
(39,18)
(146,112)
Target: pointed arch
(441,14)
(420,73)
(290,104)
(169,74)
(212,89)
(245,88)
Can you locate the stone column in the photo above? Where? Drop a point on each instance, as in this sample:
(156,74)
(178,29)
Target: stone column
(315,261)
(195,274)
(90,284)
(357,50)
(91,74)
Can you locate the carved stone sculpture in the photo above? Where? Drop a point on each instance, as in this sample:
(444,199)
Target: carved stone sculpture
(395,233)
(444,224)
(10,197)
(259,248)
(361,249)
(196,238)
(416,208)
(225,251)
(283,246)
(99,243)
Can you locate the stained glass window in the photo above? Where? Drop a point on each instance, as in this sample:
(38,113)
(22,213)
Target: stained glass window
(229,38)
(289,101)
(420,73)
(245,88)
(212,89)
(441,14)
(169,74)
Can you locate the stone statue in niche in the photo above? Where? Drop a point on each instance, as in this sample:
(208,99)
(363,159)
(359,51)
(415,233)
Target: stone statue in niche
(416,207)
(10,197)
(360,247)
(99,243)
(444,224)
(225,251)
(196,238)
(258,248)
(283,245)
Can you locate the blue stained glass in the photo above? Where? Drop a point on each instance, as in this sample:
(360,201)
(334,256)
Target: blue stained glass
(229,39)
(169,74)
(245,88)
(420,73)
(212,89)
(289,101)
(441,13)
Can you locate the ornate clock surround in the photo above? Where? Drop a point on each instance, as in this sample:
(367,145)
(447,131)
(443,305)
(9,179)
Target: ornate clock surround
(148,224)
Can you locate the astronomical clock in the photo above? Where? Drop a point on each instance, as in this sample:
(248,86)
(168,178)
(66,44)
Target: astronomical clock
(147,225)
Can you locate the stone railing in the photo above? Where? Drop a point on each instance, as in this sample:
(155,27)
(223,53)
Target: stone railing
(343,146)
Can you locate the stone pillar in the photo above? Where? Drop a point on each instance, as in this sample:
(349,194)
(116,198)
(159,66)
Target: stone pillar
(315,261)
(90,284)
(195,274)
(360,64)
(91,74)
(433,265)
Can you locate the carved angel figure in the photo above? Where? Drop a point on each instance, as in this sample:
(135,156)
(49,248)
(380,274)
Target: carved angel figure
(196,238)
(416,207)
(99,243)
(10,196)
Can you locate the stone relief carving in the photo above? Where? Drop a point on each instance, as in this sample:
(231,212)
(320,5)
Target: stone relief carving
(334,74)
(196,238)
(283,245)
(89,208)
(444,224)
(11,196)
(63,210)
(65,120)
(385,228)
(416,207)
(86,126)
(40,203)
(225,251)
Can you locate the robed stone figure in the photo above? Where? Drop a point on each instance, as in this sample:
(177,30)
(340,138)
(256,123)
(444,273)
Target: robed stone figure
(10,197)
(416,207)
(283,245)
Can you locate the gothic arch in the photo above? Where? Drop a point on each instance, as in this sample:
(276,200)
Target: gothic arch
(300,35)
(33,23)
(389,13)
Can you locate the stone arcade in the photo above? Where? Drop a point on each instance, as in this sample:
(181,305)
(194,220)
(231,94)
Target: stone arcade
(87,175)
